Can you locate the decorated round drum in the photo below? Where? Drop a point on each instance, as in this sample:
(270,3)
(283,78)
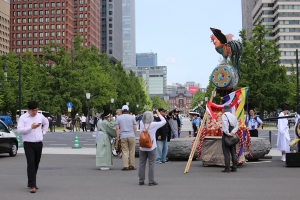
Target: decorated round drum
(224,77)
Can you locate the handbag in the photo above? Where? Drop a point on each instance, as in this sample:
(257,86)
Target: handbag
(230,140)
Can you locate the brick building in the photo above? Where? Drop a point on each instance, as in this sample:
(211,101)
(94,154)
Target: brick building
(34,24)
(180,99)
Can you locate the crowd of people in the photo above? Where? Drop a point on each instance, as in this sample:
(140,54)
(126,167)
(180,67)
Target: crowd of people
(160,126)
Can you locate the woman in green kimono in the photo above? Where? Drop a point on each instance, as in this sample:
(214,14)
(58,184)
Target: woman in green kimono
(106,130)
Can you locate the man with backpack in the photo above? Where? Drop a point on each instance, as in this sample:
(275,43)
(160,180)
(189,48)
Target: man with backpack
(254,123)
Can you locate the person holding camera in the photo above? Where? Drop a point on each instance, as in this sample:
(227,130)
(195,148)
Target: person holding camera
(254,123)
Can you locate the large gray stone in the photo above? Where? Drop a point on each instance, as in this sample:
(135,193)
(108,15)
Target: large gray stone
(259,148)
(180,148)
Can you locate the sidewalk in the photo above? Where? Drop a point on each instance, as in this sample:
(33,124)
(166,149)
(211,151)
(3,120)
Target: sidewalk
(92,151)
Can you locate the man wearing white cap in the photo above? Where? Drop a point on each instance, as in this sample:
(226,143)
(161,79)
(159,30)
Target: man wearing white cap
(126,130)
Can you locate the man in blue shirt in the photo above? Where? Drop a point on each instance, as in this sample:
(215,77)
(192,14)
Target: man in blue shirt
(196,122)
(254,123)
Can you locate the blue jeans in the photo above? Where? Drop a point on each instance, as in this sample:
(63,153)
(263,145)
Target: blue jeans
(161,150)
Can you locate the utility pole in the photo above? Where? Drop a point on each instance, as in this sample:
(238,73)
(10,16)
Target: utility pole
(20,89)
(297,81)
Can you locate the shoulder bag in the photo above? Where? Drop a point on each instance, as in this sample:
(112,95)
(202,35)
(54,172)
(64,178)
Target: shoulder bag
(230,140)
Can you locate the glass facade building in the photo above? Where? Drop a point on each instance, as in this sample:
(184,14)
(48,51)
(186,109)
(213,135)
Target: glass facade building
(128,24)
(146,59)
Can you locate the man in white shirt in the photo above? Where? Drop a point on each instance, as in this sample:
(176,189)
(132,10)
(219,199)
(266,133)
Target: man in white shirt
(229,119)
(33,126)
(83,122)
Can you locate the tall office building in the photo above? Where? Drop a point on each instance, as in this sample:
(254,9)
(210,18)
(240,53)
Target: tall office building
(111,29)
(283,18)
(247,7)
(4,28)
(146,59)
(155,78)
(34,24)
(129,56)
(87,21)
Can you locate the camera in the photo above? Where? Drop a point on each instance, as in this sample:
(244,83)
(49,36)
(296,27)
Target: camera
(253,127)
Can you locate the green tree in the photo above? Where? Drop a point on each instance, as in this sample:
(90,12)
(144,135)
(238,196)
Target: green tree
(267,80)
(197,98)
(157,102)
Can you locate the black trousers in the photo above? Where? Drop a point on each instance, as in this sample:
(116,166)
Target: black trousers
(83,126)
(254,133)
(227,151)
(33,153)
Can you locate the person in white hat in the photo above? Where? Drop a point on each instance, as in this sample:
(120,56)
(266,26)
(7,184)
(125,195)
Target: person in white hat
(126,127)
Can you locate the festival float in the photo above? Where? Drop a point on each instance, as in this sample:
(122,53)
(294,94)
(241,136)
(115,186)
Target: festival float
(208,142)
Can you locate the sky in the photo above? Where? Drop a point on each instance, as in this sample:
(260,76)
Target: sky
(179,32)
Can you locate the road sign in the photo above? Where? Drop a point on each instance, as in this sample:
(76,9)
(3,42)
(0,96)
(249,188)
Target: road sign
(69,104)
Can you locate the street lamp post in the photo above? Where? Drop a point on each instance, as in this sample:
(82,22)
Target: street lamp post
(137,106)
(112,100)
(88,96)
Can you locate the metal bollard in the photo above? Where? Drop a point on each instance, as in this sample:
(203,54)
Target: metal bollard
(270,137)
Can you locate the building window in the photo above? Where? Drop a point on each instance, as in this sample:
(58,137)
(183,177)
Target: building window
(24,42)
(58,26)
(47,19)
(53,5)
(41,42)
(41,19)
(57,12)
(41,12)
(41,27)
(41,5)
(46,34)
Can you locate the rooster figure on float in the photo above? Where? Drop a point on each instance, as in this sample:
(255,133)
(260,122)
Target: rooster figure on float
(225,78)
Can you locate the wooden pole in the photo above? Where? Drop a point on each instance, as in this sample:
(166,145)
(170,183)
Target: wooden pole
(198,137)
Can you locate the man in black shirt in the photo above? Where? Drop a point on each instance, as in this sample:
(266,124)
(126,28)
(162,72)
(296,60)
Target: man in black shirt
(163,136)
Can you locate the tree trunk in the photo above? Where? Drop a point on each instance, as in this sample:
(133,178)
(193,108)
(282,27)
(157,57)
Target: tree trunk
(261,111)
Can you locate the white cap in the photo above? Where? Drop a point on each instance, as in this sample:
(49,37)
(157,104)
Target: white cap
(125,107)
(77,114)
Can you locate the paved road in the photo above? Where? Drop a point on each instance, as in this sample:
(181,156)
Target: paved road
(75,177)
(87,139)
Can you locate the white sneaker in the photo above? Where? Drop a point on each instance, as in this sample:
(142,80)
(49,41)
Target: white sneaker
(104,168)
(283,158)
